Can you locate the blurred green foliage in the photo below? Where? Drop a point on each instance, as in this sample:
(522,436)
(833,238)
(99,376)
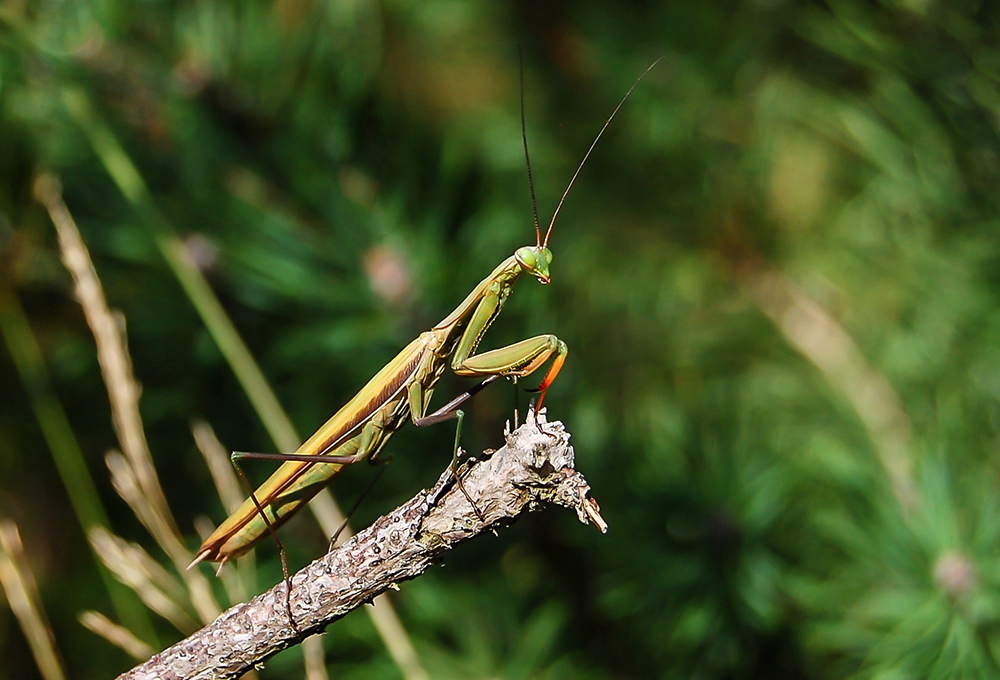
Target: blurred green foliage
(777,276)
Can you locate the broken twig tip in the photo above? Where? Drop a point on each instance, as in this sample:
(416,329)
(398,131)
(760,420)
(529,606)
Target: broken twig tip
(593,511)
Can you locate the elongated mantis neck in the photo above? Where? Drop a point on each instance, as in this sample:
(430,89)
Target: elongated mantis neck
(505,274)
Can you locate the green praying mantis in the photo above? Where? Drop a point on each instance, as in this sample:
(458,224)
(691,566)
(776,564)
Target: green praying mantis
(402,390)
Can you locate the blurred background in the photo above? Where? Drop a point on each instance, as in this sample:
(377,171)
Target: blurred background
(778,278)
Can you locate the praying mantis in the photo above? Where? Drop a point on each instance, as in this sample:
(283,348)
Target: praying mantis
(402,390)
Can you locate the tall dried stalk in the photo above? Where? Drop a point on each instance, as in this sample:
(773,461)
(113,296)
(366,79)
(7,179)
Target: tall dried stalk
(817,335)
(133,474)
(22,595)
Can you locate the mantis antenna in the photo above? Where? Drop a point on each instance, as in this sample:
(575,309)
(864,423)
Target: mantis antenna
(562,200)
(527,158)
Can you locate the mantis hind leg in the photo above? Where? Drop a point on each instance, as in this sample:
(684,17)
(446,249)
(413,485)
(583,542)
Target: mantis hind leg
(451,410)
(375,458)
(317,459)
(274,534)
(447,412)
(455,455)
(516,411)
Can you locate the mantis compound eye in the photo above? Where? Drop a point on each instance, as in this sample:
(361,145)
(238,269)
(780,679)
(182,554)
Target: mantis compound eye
(526,258)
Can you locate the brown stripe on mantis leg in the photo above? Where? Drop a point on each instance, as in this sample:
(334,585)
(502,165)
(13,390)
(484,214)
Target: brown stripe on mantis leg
(274,534)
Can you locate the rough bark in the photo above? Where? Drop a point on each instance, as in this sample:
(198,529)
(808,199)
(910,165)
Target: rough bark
(532,470)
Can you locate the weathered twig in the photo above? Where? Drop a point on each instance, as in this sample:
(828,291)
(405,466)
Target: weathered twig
(533,469)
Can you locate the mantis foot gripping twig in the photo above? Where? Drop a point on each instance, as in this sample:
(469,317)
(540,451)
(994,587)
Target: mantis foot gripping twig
(534,411)
(455,455)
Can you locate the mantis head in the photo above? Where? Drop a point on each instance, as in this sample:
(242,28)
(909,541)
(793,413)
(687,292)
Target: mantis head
(535,260)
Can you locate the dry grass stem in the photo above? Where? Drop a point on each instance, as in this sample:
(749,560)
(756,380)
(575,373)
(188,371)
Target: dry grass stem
(131,565)
(112,351)
(219,465)
(397,641)
(314,658)
(128,488)
(127,485)
(101,539)
(134,472)
(817,335)
(119,636)
(22,594)
(238,583)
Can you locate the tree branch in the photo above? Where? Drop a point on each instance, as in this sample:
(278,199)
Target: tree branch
(533,469)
